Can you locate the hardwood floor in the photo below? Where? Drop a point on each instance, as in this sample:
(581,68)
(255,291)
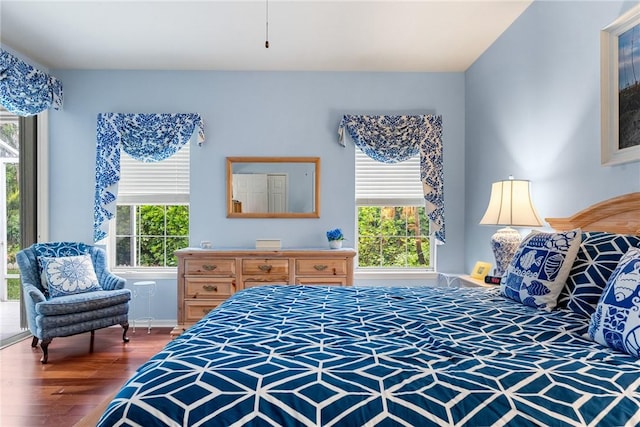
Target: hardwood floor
(74,381)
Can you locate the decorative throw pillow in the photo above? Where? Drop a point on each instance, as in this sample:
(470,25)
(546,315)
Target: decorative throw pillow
(56,249)
(69,275)
(616,321)
(597,257)
(539,268)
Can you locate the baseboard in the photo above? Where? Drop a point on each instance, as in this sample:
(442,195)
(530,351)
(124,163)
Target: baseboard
(16,338)
(157,323)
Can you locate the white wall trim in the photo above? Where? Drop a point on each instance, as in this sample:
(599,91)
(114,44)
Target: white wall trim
(146,273)
(42,185)
(394,274)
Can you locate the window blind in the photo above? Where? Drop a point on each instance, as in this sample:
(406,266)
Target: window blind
(161,182)
(379,184)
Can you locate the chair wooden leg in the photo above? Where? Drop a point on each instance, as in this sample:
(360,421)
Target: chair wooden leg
(45,350)
(34,342)
(93,334)
(125,326)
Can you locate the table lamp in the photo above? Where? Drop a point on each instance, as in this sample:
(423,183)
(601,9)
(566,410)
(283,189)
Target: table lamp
(510,204)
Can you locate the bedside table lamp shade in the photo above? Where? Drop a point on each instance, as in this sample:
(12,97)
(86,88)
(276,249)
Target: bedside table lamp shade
(510,204)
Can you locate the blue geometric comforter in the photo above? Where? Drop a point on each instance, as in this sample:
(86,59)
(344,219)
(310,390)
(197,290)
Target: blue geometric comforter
(355,356)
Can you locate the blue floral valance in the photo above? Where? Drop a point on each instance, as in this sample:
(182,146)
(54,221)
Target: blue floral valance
(145,137)
(392,139)
(25,90)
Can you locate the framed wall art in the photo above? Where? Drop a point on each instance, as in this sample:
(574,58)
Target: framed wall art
(620,89)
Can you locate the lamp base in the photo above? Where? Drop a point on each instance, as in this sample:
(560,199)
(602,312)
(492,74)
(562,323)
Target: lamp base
(504,243)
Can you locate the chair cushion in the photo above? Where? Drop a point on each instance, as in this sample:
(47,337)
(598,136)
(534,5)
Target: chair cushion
(86,301)
(71,324)
(69,275)
(616,322)
(539,269)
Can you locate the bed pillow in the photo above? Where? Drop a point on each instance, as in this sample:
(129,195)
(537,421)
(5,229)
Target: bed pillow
(616,321)
(597,257)
(539,268)
(69,275)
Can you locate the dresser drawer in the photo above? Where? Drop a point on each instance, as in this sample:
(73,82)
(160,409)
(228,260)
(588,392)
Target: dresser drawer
(321,267)
(252,284)
(217,267)
(194,310)
(209,287)
(275,267)
(326,280)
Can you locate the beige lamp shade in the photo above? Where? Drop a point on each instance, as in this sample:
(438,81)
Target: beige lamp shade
(510,204)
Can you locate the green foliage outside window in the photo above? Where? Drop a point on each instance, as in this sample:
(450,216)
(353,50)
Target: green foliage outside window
(393,237)
(9,133)
(154,232)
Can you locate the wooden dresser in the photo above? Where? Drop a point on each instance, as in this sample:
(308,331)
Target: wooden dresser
(207,277)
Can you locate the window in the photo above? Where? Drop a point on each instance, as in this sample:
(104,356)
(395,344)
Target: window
(9,204)
(393,228)
(152,213)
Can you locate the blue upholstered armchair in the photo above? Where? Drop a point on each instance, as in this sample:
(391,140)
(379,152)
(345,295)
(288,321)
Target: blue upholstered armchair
(68,289)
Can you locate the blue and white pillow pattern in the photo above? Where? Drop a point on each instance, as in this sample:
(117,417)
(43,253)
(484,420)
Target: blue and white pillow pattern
(56,249)
(597,258)
(70,275)
(616,322)
(539,269)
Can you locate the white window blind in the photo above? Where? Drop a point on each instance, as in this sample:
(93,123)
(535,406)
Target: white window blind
(161,182)
(378,184)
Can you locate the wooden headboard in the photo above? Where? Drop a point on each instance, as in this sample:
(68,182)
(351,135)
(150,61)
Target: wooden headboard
(616,215)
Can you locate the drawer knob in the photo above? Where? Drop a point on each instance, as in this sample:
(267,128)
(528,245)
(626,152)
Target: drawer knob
(265,267)
(210,288)
(209,267)
(206,310)
(320,267)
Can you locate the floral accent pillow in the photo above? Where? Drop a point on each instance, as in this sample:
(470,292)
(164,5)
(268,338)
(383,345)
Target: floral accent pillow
(616,322)
(69,275)
(540,267)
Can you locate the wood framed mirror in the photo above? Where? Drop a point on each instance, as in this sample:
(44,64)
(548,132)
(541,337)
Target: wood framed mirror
(273,187)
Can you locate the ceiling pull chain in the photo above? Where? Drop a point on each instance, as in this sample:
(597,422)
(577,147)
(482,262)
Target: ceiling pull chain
(266,43)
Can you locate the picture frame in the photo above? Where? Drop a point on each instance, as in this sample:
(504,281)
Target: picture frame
(480,270)
(620,89)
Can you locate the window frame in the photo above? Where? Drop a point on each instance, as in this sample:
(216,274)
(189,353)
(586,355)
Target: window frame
(401,201)
(178,197)
(396,272)
(112,240)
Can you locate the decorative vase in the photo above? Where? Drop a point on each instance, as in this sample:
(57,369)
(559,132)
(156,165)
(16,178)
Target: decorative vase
(335,244)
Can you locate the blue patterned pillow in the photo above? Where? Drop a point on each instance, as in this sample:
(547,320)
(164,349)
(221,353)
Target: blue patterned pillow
(597,257)
(69,275)
(56,249)
(616,321)
(539,269)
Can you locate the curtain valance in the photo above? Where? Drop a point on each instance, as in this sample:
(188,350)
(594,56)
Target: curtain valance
(392,139)
(145,137)
(25,90)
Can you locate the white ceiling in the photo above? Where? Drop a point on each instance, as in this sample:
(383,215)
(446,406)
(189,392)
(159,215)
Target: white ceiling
(393,35)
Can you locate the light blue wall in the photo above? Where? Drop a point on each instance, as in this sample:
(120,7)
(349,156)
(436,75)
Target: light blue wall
(533,110)
(251,114)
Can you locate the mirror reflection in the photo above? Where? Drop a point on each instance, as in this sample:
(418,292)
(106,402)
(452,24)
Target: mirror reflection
(273,187)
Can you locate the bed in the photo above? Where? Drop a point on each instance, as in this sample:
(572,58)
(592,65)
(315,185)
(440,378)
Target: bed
(392,356)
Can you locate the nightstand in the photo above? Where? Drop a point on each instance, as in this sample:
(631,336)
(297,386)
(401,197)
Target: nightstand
(460,281)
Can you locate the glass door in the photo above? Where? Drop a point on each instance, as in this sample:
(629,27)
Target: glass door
(9,225)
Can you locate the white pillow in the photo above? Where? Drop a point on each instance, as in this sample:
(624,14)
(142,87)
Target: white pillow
(616,322)
(69,275)
(540,267)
